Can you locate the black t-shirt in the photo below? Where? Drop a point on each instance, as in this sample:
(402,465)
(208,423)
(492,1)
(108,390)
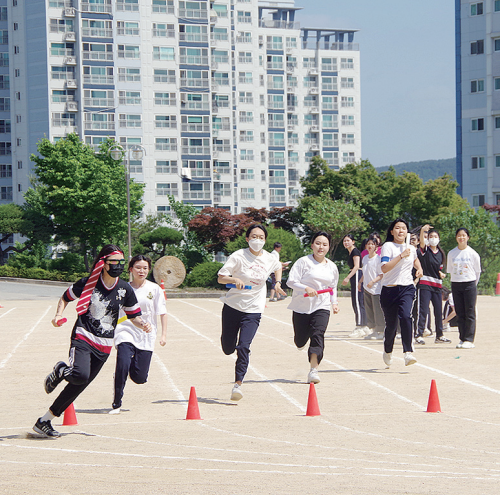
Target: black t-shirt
(97,326)
(350,260)
(431,263)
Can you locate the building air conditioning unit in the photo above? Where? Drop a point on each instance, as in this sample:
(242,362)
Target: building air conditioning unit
(71,83)
(72,106)
(69,12)
(186,173)
(313,91)
(70,36)
(70,61)
(290,89)
(314,110)
(261,40)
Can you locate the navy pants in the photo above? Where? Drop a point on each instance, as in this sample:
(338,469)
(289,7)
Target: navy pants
(464,298)
(357,300)
(132,362)
(84,367)
(397,302)
(238,331)
(425,297)
(311,327)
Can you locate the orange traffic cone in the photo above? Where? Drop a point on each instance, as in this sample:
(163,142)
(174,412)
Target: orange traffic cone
(70,416)
(497,290)
(193,411)
(433,404)
(312,402)
(162,285)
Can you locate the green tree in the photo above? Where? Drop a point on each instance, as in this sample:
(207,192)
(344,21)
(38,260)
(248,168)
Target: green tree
(336,217)
(159,239)
(83,191)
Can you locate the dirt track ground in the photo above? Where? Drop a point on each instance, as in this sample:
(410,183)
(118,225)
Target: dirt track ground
(373,435)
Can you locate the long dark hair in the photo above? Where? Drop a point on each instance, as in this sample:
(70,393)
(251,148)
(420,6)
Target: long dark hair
(390,237)
(105,252)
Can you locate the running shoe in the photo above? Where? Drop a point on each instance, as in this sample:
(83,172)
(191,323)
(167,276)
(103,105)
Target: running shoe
(409,359)
(387,358)
(358,333)
(446,327)
(236,393)
(442,340)
(460,344)
(419,340)
(372,336)
(468,345)
(115,411)
(313,376)
(427,332)
(45,428)
(53,379)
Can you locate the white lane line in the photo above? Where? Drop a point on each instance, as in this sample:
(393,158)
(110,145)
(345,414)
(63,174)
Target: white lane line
(5,361)
(168,377)
(7,312)
(242,463)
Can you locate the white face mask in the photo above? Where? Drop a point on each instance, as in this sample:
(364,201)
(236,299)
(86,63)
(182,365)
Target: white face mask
(434,241)
(256,244)
(426,242)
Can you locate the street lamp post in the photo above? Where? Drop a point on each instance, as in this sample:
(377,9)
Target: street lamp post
(117,152)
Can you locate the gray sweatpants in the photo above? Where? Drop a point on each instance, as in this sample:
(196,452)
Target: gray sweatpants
(375,317)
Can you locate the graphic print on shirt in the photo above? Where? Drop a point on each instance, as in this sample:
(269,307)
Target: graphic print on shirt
(257,274)
(100,314)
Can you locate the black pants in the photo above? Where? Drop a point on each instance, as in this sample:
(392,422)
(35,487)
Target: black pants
(425,297)
(311,327)
(464,298)
(85,366)
(357,299)
(238,327)
(446,311)
(397,304)
(132,362)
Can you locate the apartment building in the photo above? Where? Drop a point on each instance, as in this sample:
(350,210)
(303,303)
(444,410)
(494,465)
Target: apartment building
(229,99)
(478,100)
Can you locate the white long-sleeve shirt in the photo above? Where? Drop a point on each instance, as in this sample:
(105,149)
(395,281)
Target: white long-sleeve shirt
(464,265)
(307,272)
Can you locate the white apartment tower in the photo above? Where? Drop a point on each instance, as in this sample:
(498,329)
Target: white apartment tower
(478,100)
(229,98)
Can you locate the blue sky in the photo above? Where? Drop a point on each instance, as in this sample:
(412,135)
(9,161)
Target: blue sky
(407,73)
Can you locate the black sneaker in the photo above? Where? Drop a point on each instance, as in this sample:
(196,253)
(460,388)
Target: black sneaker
(442,340)
(53,379)
(45,429)
(419,340)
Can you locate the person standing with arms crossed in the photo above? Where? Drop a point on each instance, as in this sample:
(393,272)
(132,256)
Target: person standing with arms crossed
(464,265)
(243,307)
(311,314)
(101,295)
(134,347)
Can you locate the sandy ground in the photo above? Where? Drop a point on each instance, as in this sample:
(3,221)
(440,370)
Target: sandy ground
(373,436)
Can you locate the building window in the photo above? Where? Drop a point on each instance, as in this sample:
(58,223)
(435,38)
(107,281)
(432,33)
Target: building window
(247,193)
(163,53)
(129,121)
(5,171)
(477,124)
(476,8)
(167,189)
(497,82)
(163,6)
(477,86)
(127,28)
(129,51)
(164,99)
(497,161)
(4,82)
(17,72)
(129,97)
(19,164)
(477,47)
(477,200)
(477,162)
(497,44)
(166,121)
(6,193)
(497,5)
(497,122)
(163,30)
(4,126)
(18,95)
(127,5)
(16,24)
(166,144)
(4,59)
(4,104)
(245,17)
(166,166)
(4,37)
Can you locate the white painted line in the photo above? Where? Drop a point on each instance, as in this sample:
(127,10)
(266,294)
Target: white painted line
(5,361)
(7,312)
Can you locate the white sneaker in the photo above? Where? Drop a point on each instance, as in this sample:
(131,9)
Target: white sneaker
(313,376)
(446,327)
(115,411)
(366,330)
(409,359)
(372,336)
(460,344)
(427,332)
(387,358)
(468,345)
(236,393)
(358,333)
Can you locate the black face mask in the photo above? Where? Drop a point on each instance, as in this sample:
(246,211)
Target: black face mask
(115,270)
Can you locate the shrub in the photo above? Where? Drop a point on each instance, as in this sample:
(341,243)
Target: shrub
(39,274)
(204,275)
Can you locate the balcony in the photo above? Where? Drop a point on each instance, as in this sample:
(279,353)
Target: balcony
(195,150)
(269,23)
(195,127)
(99,102)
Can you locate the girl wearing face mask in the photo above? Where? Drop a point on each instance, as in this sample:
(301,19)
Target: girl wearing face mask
(431,257)
(101,296)
(396,297)
(134,349)
(464,265)
(243,307)
(311,314)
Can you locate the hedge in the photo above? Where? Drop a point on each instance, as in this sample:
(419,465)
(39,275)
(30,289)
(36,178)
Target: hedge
(40,274)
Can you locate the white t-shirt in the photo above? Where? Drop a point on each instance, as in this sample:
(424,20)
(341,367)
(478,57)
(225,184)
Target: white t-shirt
(307,272)
(371,269)
(275,254)
(151,299)
(401,273)
(464,265)
(251,270)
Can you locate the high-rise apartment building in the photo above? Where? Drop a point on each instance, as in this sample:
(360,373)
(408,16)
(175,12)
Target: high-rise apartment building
(230,99)
(478,100)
